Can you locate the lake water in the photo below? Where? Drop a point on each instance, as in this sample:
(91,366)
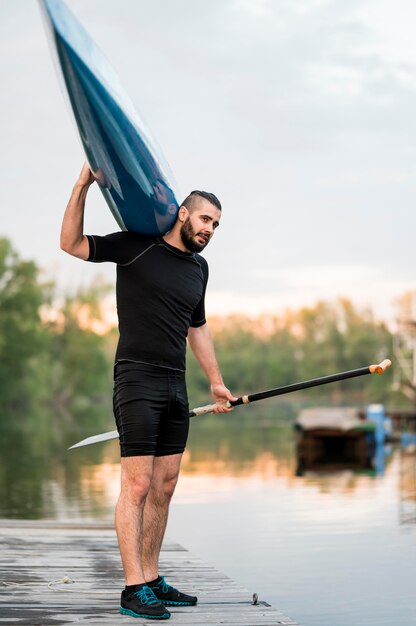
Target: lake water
(333,548)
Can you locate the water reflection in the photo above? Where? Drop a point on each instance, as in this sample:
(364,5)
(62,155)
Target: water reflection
(407,484)
(40,478)
(325,535)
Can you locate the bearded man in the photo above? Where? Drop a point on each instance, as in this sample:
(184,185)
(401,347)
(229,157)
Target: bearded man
(161,283)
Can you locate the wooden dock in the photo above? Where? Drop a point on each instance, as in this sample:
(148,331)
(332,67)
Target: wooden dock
(54,574)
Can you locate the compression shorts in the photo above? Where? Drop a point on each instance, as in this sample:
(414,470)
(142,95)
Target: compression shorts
(151,409)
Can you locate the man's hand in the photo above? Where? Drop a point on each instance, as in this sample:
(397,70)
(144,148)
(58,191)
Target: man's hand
(86,177)
(221,395)
(73,240)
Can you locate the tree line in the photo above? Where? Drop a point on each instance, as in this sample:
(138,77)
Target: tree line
(54,363)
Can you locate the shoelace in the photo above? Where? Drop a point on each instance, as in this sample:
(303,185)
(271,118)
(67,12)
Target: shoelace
(146,596)
(164,585)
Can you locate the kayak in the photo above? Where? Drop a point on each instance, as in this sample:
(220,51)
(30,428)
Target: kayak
(129,167)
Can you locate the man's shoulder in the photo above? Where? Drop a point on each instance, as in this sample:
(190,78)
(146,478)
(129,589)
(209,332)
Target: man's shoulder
(129,235)
(121,247)
(130,239)
(201,260)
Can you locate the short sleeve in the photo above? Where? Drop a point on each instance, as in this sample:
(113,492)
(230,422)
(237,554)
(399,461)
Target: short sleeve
(120,247)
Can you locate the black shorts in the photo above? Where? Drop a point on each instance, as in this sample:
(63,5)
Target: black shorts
(151,409)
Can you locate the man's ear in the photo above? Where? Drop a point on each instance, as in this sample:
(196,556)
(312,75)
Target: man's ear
(183,213)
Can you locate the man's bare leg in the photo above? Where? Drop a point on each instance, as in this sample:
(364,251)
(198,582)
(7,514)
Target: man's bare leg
(155,515)
(136,475)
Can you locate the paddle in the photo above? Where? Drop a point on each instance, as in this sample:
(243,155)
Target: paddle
(380,368)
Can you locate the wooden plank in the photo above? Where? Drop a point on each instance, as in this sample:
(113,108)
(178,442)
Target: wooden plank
(52,573)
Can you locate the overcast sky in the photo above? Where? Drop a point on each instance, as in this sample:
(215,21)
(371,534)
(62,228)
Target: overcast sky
(298,114)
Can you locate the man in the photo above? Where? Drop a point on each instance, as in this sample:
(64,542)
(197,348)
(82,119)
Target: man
(161,286)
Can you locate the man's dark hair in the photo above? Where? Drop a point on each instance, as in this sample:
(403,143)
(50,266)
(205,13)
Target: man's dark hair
(190,201)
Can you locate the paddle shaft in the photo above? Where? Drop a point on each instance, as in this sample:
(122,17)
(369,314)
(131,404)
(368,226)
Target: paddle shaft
(314,382)
(262,395)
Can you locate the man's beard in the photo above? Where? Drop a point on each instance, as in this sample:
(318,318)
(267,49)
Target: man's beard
(188,237)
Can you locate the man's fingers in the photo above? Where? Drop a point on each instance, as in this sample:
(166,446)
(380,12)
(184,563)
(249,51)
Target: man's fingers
(222,408)
(86,176)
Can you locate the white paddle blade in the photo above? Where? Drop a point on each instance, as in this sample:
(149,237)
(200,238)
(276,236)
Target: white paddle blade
(113,434)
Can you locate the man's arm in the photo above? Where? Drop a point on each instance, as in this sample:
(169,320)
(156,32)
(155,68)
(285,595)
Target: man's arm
(73,240)
(202,346)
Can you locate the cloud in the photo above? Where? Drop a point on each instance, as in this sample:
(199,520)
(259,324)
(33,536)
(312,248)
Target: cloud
(299,115)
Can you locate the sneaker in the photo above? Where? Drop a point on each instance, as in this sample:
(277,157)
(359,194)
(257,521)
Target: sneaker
(143,603)
(171,596)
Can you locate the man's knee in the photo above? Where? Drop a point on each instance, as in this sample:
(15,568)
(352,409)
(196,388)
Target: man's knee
(135,489)
(136,479)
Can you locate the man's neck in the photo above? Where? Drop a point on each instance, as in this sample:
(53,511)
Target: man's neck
(174,239)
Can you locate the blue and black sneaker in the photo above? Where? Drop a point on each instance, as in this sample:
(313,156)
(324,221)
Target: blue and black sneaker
(169,595)
(142,603)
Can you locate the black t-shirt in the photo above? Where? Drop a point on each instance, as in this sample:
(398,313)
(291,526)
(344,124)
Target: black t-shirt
(160,294)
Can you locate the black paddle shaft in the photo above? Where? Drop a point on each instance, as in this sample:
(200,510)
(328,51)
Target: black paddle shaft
(314,382)
(371,369)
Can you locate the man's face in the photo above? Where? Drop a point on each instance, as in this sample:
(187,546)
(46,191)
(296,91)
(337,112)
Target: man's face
(199,226)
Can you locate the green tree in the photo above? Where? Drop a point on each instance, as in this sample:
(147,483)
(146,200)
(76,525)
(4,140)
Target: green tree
(366,341)
(23,336)
(81,377)
(326,338)
(320,341)
(50,355)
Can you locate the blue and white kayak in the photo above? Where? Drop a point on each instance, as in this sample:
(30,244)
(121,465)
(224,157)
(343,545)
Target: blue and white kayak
(132,173)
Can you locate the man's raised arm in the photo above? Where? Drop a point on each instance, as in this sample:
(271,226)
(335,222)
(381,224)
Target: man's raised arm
(73,240)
